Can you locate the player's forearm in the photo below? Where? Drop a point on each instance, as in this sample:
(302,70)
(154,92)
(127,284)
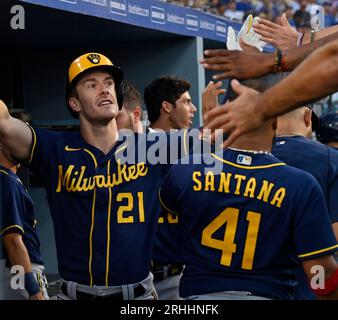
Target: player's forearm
(293,57)
(320,34)
(17,252)
(335,230)
(315,78)
(14,134)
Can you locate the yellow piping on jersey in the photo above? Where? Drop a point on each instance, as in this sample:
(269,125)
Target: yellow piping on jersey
(108,228)
(34,144)
(185,142)
(67,148)
(247,167)
(12,227)
(91,240)
(92,155)
(316,252)
(164,206)
(3,171)
(121,148)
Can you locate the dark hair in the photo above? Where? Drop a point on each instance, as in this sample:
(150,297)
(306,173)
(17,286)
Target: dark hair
(22,115)
(131,96)
(165,88)
(302,19)
(260,84)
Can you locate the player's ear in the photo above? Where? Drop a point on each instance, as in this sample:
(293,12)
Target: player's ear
(166,106)
(307,117)
(74,104)
(137,114)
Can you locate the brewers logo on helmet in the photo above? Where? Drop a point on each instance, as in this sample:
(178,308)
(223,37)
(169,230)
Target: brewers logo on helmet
(89,62)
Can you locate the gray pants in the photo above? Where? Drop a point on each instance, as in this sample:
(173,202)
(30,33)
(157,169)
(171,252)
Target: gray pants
(167,289)
(127,290)
(226,295)
(6,291)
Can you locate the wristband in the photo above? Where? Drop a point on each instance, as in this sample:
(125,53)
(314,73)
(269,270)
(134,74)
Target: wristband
(284,66)
(330,286)
(31,285)
(278,61)
(312,38)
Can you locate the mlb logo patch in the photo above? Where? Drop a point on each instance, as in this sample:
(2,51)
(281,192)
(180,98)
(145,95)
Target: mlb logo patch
(244,159)
(280,142)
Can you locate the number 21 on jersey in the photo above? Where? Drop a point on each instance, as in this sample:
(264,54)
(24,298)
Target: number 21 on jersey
(229,216)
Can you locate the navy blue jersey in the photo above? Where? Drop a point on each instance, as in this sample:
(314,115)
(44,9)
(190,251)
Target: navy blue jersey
(18,214)
(104,212)
(246,226)
(168,240)
(315,158)
(322,162)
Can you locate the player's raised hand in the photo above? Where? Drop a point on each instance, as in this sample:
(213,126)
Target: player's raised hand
(210,102)
(237,117)
(237,64)
(210,96)
(281,36)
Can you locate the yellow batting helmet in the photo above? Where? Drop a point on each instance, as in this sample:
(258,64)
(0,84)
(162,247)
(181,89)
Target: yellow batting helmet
(88,62)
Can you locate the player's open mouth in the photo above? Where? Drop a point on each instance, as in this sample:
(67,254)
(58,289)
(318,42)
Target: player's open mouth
(105,102)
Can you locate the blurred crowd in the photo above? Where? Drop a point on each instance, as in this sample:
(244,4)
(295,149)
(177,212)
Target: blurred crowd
(298,11)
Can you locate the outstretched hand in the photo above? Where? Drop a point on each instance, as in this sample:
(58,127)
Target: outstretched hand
(237,64)
(281,36)
(237,117)
(210,96)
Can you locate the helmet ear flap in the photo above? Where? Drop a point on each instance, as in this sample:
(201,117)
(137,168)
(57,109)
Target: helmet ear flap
(119,95)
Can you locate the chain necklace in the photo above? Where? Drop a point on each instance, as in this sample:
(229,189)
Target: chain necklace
(251,151)
(286,135)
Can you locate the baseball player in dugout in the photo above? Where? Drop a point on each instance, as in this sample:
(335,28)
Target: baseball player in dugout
(18,234)
(169,107)
(103,208)
(259,229)
(130,116)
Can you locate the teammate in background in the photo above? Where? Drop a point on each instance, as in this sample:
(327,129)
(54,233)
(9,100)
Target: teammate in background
(169,107)
(327,131)
(130,115)
(263,217)
(21,245)
(292,146)
(169,103)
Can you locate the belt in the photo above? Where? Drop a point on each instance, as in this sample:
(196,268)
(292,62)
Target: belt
(139,290)
(163,271)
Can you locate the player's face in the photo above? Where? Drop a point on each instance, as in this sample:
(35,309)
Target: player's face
(182,114)
(97,96)
(124,120)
